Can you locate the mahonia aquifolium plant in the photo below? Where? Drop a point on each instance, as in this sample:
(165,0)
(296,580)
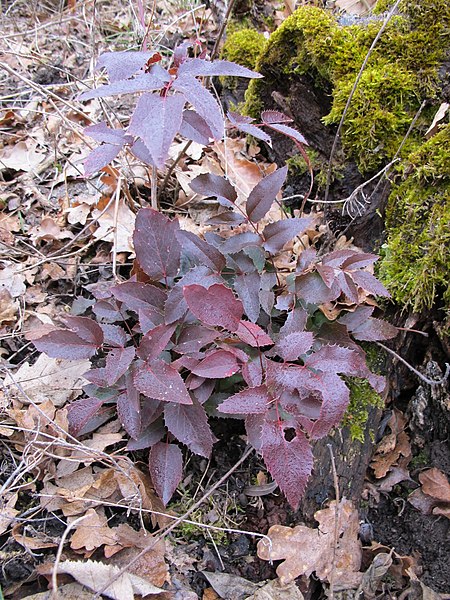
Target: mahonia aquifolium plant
(203,310)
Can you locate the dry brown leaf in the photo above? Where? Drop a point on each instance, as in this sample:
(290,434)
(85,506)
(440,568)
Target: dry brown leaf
(9,307)
(36,542)
(274,590)
(9,224)
(152,566)
(92,532)
(123,237)
(305,550)
(22,156)
(49,230)
(70,591)
(396,475)
(52,379)
(435,484)
(393,448)
(422,502)
(12,280)
(8,512)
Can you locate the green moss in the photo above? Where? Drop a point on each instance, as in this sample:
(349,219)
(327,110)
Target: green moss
(401,72)
(416,264)
(242,47)
(362,398)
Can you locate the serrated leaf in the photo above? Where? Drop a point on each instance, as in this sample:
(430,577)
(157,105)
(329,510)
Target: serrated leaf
(155,341)
(114,335)
(335,399)
(244,124)
(176,306)
(148,437)
(166,469)
(193,338)
(160,381)
(274,116)
(312,289)
(139,296)
(264,193)
(86,328)
(189,424)
(157,120)
(102,133)
(129,416)
(293,345)
(118,361)
(217,365)
(247,287)
(81,412)
(216,306)
(204,252)
(142,153)
(120,65)
(141,83)
(62,343)
(253,334)
(198,67)
(374,330)
(195,128)
(240,241)
(209,184)
(289,132)
(203,101)
(255,400)
(227,217)
(369,283)
(156,245)
(290,463)
(99,158)
(277,234)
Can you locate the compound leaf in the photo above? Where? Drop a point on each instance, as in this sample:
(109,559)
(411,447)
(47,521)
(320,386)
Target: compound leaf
(277,234)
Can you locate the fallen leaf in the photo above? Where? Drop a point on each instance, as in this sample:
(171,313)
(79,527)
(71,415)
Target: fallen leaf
(124,223)
(230,587)
(304,550)
(435,484)
(70,591)
(12,281)
(8,307)
(49,230)
(274,590)
(21,157)
(92,533)
(393,448)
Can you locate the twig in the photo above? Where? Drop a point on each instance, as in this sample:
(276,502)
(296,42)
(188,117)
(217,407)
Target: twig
(70,526)
(336,521)
(440,381)
(115,226)
(352,93)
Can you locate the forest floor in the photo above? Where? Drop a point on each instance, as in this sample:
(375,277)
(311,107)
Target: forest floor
(68,510)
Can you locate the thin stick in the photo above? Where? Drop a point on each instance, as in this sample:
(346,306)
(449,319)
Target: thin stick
(177,522)
(352,93)
(336,521)
(70,526)
(440,381)
(115,226)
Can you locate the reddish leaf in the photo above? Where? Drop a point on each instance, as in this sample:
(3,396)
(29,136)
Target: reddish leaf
(161,381)
(193,338)
(289,132)
(293,345)
(290,463)
(86,328)
(253,371)
(226,218)
(277,234)
(369,283)
(253,335)
(240,241)
(114,335)
(102,133)
(335,399)
(108,310)
(117,363)
(253,427)
(363,327)
(274,116)
(176,306)
(141,83)
(264,193)
(155,341)
(313,290)
(209,184)
(198,67)
(62,343)
(204,252)
(250,401)
(129,416)
(217,365)
(204,103)
(194,127)
(100,157)
(149,437)
(189,424)
(157,120)
(81,412)
(120,65)
(142,153)
(166,469)
(137,296)
(156,244)
(244,124)
(216,306)
(247,287)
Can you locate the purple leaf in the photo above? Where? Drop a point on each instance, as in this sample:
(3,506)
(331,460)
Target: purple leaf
(253,335)
(253,427)
(253,371)
(120,65)
(117,364)
(244,124)
(204,252)
(216,306)
(156,245)
(204,103)
(240,241)
(142,153)
(336,396)
(227,217)
(176,306)
(295,322)
(359,260)
(209,184)
(141,83)
(290,463)
(151,410)
(313,290)
(157,120)
(217,365)
(193,338)
(108,310)
(293,345)
(102,133)
(160,381)
(274,116)
(264,193)
(86,328)
(277,234)
(369,283)
(289,132)
(189,424)
(62,343)
(166,469)
(374,330)
(139,296)
(149,437)
(247,287)
(199,67)
(155,341)
(129,416)
(250,401)
(194,127)
(81,412)
(114,335)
